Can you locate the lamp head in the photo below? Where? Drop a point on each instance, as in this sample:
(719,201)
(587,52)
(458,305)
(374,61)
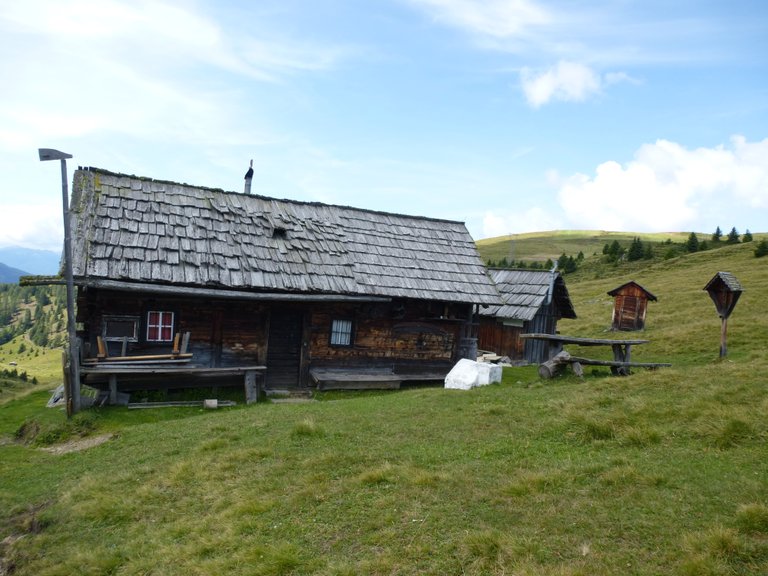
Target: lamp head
(51,154)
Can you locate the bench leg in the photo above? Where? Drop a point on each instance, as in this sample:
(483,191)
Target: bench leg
(251,387)
(113,389)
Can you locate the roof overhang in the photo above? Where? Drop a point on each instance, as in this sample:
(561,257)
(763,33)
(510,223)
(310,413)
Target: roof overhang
(197,292)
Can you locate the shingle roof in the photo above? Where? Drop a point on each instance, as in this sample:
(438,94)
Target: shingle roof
(726,280)
(525,291)
(147,231)
(618,289)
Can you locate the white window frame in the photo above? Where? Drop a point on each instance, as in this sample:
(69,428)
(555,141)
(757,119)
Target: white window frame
(122,319)
(165,320)
(341,332)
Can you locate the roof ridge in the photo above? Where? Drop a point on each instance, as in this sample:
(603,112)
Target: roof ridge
(263,197)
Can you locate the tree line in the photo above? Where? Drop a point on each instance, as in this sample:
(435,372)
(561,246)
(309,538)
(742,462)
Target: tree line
(615,252)
(38,311)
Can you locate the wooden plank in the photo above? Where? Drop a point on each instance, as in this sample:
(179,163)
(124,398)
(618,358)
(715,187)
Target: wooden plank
(184,343)
(171,370)
(620,364)
(581,341)
(148,357)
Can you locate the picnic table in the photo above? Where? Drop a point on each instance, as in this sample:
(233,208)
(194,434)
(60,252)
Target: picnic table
(621,347)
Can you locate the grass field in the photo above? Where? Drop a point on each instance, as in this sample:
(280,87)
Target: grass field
(661,472)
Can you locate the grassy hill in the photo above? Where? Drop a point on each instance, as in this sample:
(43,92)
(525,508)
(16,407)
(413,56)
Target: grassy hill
(661,472)
(539,246)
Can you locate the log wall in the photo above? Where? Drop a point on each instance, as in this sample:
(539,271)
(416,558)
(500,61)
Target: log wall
(405,334)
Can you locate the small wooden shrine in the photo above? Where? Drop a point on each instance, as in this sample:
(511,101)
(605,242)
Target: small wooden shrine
(725,291)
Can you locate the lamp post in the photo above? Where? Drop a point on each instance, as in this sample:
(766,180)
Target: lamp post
(72,388)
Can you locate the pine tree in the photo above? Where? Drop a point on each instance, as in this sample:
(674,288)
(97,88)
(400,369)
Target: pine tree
(733,236)
(747,236)
(761,249)
(636,250)
(718,234)
(692,244)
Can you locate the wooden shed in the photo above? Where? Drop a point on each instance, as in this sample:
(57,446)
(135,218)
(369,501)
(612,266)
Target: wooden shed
(533,302)
(630,306)
(310,291)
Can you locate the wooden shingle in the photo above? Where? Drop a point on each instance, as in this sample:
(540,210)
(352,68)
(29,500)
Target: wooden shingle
(178,234)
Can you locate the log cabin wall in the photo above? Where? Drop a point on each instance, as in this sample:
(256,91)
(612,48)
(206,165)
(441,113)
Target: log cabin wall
(500,338)
(401,334)
(405,335)
(222,333)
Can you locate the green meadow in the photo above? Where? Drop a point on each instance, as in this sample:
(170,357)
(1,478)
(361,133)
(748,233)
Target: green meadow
(659,472)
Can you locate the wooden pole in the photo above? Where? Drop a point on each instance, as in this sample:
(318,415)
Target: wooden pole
(723,330)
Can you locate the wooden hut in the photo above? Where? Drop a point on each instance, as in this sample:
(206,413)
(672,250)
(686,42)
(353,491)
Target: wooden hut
(533,302)
(630,306)
(316,294)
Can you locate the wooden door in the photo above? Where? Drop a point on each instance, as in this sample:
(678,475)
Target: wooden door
(630,314)
(284,349)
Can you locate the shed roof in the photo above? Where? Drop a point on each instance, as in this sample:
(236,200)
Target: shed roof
(619,289)
(139,230)
(523,292)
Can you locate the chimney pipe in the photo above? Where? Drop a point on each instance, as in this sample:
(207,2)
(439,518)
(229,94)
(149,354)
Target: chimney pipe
(248,178)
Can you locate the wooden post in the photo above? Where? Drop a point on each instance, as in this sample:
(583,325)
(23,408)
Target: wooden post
(251,387)
(113,389)
(67,382)
(723,330)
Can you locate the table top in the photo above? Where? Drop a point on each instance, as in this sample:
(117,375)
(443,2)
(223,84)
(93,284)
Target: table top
(581,341)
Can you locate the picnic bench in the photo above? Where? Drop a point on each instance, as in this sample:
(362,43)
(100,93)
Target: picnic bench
(620,365)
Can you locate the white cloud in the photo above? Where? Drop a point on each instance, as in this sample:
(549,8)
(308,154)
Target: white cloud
(568,81)
(495,18)
(161,71)
(28,225)
(669,187)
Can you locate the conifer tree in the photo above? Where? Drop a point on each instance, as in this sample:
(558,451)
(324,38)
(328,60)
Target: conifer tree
(692,244)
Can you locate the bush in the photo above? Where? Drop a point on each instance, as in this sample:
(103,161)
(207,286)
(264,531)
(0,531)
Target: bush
(762,248)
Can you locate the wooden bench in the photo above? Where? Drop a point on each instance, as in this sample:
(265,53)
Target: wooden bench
(555,365)
(367,378)
(252,375)
(620,365)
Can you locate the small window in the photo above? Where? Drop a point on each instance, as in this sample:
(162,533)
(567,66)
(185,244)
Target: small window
(341,333)
(121,328)
(159,326)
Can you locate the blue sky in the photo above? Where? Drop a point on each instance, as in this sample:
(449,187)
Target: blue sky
(510,115)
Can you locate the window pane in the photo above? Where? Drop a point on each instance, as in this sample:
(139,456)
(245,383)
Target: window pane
(341,333)
(159,326)
(120,328)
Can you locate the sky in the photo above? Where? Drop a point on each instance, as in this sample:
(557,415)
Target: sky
(509,115)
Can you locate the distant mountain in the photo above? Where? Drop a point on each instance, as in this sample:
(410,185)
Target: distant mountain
(10,275)
(40,262)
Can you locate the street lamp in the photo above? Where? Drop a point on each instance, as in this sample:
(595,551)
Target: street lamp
(72,388)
